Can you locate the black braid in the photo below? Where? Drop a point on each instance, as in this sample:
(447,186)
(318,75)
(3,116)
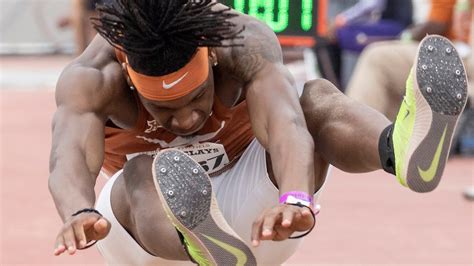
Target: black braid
(161,36)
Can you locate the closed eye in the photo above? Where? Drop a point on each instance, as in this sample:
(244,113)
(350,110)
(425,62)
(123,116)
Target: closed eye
(200,95)
(161,109)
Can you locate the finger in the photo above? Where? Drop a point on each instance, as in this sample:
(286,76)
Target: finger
(79,234)
(303,220)
(101,228)
(256,231)
(60,247)
(268,224)
(92,230)
(70,240)
(282,233)
(287,217)
(305,212)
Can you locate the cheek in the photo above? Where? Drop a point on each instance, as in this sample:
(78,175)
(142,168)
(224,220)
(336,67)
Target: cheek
(209,100)
(206,105)
(162,118)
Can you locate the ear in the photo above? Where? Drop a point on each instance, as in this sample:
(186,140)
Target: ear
(127,76)
(213,57)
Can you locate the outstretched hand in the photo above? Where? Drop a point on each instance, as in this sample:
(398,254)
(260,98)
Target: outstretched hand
(79,230)
(280,222)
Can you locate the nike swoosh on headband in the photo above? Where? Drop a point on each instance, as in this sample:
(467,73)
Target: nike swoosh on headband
(172,84)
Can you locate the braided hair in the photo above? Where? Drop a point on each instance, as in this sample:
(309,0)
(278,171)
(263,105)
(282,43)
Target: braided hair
(161,36)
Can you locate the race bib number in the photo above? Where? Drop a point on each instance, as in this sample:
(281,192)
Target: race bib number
(211,156)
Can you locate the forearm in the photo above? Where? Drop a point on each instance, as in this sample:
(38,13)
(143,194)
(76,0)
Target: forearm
(292,154)
(279,125)
(71,187)
(75,162)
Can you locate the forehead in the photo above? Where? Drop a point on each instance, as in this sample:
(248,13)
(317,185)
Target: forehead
(183,100)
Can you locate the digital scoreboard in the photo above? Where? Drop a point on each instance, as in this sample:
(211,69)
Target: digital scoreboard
(297,18)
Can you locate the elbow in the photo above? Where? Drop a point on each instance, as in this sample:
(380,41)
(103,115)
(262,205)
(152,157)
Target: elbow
(52,184)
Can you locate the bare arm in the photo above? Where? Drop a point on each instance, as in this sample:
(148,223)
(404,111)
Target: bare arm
(275,112)
(77,147)
(279,125)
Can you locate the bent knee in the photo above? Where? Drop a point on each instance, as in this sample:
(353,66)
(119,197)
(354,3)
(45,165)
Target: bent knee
(138,168)
(317,92)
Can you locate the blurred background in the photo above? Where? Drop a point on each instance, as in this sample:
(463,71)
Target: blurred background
(366,48)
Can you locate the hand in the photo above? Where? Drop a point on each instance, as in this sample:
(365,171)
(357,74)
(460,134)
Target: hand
(280,222)
(78,230)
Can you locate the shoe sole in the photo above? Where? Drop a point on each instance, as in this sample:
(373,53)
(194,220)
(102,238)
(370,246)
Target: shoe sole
(186,194)
(440,89)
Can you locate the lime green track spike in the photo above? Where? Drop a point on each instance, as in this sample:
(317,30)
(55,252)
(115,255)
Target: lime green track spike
(436,94)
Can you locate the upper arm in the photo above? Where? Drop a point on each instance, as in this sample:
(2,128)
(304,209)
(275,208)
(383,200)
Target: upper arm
(78,123)
(271,96)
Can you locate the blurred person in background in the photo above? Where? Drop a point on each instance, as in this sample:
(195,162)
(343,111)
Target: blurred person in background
(354,28)
(379,77)
(79,20)
(382,66)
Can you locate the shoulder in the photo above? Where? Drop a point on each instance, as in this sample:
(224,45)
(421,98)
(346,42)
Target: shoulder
(92,81)
(257,47)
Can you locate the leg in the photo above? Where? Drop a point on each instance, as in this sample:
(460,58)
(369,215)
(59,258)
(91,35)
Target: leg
(335,122)
(416,146)
(380,75)
(137,207)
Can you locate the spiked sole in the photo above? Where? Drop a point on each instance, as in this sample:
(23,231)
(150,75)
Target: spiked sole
(440,89)
(186,193)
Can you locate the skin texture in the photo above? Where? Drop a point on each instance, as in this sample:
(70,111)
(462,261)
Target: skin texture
(254,72)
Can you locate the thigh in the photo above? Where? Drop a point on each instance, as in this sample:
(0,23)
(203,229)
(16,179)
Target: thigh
(144,216)
(120,247)
(138,218)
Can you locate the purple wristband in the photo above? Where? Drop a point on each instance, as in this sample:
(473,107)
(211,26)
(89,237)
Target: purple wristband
(294,197)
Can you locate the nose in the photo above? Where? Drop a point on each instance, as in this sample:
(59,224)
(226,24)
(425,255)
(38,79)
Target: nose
(185,120)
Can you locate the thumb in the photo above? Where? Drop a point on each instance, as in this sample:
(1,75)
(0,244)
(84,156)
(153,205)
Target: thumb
(101,228)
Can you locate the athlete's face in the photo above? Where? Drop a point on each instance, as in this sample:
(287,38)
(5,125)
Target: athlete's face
(187,115)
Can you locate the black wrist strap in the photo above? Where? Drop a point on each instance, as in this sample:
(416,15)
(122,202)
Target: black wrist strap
(314,221)
(87,210)
(90,244)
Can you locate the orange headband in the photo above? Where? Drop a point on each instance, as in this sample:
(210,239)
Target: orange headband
(174,85)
